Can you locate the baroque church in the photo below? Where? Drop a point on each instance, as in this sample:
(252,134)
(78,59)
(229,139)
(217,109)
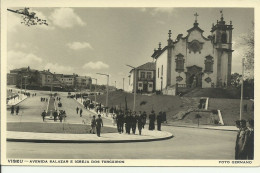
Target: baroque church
(195,60)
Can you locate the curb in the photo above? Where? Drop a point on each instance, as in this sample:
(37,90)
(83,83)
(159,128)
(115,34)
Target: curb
(200,127)
(87,141)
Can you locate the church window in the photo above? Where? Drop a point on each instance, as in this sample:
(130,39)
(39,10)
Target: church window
(179,63)
(224,38)
(209,64)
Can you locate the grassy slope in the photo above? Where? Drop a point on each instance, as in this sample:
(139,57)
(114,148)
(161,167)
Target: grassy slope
(173,104)
(170,104)
(230,109)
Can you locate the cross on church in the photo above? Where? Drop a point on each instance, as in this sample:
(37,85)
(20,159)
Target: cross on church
(170,33)
(196,16)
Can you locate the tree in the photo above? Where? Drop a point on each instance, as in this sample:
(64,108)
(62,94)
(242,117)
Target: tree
(29,18)
(248,42)
(235,80)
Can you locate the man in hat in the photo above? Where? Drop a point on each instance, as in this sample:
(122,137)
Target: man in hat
(99,124)
(43,115)
(241,142)
(250,140)
(151,120)
(144,116)
(159,121)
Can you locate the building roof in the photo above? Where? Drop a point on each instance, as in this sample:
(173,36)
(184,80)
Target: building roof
(146,66)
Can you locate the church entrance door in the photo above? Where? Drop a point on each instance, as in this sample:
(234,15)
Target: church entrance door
(145,87)
(194,77)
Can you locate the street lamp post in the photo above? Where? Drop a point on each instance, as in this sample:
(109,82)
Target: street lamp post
(107,86)
(95,91)
(134,84)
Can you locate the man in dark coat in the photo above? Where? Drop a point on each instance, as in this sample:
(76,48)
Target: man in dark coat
(17,110)
(43,115)
(77,109)
(159,121)
(99,124)
(241,142)
(12,110)
(250,140)
(80,112)
(127,123)
(119,122)
(151,120)
(140,123)
(55,115)
(144,116)
(133,122)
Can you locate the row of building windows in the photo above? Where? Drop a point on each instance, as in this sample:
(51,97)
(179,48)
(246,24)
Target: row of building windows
(150,85)
(180,64)
(148,75)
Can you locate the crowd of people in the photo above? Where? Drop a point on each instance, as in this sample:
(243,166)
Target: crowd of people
(244,149)
(57,115)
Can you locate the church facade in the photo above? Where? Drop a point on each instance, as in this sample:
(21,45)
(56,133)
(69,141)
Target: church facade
(195,60)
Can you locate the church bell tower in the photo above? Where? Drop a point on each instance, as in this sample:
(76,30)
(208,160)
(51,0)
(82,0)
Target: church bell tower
(222,41)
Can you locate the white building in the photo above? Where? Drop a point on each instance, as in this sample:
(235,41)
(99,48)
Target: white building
(194,60)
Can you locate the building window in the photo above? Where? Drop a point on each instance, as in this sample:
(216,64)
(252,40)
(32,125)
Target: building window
(140,85)
(142,74)
(209,64)
(179,63)
(149,75)
(150,85)
(158,72)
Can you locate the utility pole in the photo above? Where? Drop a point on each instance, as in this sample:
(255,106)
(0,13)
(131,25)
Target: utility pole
(107,75)
(95,92)
(242,87)
(115,84)
(134,83)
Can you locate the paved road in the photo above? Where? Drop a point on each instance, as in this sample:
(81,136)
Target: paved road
(188,143)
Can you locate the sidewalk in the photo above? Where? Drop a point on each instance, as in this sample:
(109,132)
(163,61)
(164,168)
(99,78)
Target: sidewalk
(16,101)
(87,138)
(224,128)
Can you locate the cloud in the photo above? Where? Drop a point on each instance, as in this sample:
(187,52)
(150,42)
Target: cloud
(96,65)
(17,59)
(66,18)
(155,11)
(13,21)
(79,45)
(57,68)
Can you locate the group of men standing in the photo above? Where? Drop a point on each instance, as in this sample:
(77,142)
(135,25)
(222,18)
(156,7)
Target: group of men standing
(244,149)
(17,109)
(132,121)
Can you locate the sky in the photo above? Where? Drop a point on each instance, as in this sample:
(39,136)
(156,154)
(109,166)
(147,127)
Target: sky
(92,40)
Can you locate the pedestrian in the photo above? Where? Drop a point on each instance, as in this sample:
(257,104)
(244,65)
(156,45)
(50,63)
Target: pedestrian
(77,109)
(159,121)
(140,123)
(55,115)
(241,150)
(133,122)
(144,116)
(12,110)
(80,112)
(44,115)
(93,125)
(250,140)
(164,119)
(151,120)
(99,124)
(17,110)
(127,122)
